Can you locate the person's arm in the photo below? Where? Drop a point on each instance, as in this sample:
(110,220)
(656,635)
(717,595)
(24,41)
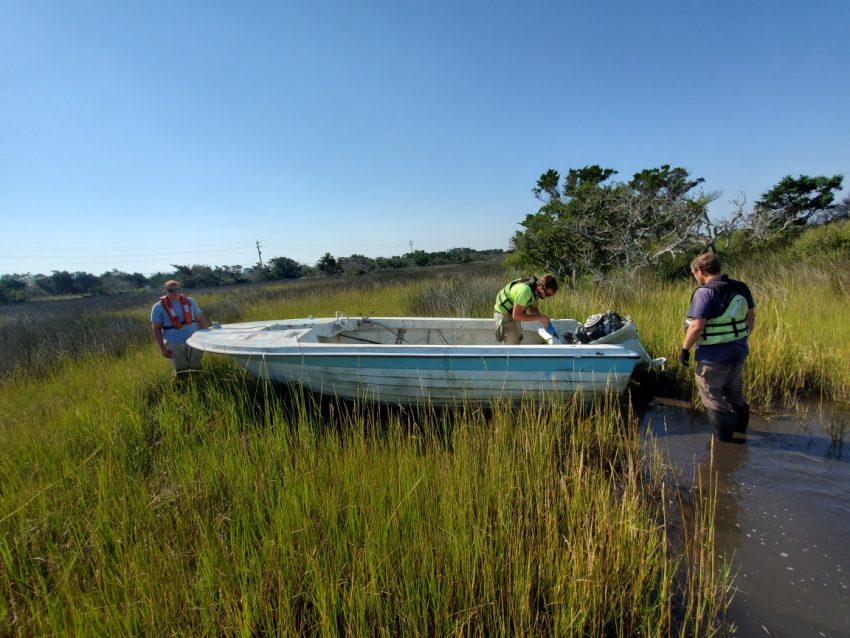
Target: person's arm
(751,319)
(695,328)
(199,315)
(692,334)
(156,330)
(530,313)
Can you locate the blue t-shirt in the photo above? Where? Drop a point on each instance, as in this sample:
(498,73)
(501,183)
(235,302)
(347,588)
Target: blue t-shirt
(169,333)
(706,304)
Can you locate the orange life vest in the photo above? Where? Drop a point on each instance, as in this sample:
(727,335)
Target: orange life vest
(172,313)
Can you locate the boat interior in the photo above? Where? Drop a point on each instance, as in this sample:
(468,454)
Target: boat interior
(398,332)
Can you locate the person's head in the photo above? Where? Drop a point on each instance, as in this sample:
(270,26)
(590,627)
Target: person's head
(172,288)
(705,266)
(547,286)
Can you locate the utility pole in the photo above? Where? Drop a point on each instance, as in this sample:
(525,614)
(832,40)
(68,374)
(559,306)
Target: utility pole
(259,254)
(411,245)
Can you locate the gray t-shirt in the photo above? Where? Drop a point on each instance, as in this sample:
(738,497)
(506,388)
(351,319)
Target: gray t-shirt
(169,333)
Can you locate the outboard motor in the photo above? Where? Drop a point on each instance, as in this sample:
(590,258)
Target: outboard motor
(598,326)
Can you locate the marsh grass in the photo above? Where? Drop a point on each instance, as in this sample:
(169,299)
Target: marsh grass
(800,347)
(836,427)
(801,343)
(132,505)
(39,338)
(833,423)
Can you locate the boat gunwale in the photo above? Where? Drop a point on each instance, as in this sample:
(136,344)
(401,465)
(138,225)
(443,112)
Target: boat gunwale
(536,351)
(292,345)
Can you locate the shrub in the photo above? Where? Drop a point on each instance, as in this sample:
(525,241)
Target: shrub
(831,241)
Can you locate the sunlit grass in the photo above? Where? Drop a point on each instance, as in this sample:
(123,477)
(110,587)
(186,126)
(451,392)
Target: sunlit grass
(228,506)
(800,347)
(224,505)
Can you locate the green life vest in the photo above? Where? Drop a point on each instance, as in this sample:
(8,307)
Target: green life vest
(731,324)
(504,303)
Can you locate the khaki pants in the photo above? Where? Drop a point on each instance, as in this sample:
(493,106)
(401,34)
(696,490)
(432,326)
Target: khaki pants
(720,386)
(185,357)
(508,331)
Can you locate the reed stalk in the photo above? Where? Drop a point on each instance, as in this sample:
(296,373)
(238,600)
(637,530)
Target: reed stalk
(224,505)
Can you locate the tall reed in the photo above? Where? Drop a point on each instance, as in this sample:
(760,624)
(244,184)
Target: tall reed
(799,348)
(131,505)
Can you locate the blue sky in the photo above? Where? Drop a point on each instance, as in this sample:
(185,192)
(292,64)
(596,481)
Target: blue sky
(136,135)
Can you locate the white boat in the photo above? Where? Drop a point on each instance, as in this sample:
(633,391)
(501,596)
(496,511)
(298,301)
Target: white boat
(440,361)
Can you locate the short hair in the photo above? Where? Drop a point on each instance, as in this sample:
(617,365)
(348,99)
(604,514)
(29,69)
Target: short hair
(549,283)
(707,262)
(171,283)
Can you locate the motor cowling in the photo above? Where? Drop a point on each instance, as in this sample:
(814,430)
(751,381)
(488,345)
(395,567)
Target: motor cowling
(598,326)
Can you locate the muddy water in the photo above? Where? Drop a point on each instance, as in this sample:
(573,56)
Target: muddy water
(783,514)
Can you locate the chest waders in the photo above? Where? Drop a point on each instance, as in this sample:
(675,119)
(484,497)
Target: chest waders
(729,325)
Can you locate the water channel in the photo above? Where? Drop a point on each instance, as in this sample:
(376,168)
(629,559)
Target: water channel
(783,511)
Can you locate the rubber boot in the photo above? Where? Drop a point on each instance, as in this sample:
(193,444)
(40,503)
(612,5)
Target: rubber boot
(742,414)
(724,424)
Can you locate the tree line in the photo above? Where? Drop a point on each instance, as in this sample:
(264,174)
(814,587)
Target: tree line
(590,222)
(28,287)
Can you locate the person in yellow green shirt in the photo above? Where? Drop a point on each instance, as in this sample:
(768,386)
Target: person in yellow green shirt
(517,302)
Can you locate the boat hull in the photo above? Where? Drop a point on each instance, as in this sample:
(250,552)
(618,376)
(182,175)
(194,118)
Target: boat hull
(439,362)
(440,380)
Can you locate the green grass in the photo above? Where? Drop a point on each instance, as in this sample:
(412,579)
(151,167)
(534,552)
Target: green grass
(131,505)
(799,348)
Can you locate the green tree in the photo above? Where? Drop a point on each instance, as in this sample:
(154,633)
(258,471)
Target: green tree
(327,265)
(356,265)
(284,268)
(590,223)
(225,275)
(87,284)
(195,276)
(204,275)
(12,288)
(419,258)
(390,263)
(184,275)
(787,208)
(59,282)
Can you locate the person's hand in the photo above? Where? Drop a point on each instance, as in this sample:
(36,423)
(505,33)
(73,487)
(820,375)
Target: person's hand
(166,352)
(684,357)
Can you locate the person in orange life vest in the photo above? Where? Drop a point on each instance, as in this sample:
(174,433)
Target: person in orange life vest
(174,318)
